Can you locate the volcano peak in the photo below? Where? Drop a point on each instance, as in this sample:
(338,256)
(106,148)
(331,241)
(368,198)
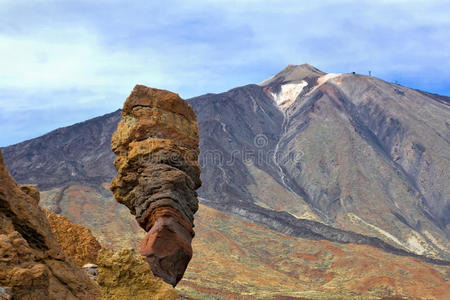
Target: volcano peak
(294,73)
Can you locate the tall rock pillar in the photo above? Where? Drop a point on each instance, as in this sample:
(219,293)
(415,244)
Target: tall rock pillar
(156,147)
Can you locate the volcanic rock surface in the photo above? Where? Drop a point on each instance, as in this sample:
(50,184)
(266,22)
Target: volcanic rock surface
(352,152)
(125,274)
(77,241)
(121,275)
(156,143)
(32,264)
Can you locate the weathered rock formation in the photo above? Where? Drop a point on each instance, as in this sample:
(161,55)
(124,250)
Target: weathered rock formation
(126,275)
(156,143)
(121,275)
(32,264)
(77,241)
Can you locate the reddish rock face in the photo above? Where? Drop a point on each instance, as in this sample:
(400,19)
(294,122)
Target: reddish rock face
(156,147)
(167,246)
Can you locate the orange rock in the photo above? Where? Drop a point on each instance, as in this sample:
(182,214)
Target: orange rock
(153,113)
(32,191)
(126,275)
(120,275)
(156,147)
(32,264)
(143,96)
(77,241)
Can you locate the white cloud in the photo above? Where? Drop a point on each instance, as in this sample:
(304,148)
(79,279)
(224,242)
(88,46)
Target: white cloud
(81,54)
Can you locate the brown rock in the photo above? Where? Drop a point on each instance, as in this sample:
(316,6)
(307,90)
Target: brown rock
(125,275)
(156,147)
(167,246)
(144,97)
(32,264)
(31,191)
(77,241)
(5,294)
(120,275)
(149,112)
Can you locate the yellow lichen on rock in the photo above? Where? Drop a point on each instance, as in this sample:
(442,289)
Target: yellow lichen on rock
(126,275)
(77,241)
(122,275)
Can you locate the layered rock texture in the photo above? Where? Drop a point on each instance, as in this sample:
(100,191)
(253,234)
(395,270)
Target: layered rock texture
(300,162)
(32,264)
(156,143)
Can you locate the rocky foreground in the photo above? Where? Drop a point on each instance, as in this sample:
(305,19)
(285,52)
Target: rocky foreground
(235,259)
(121,274)
(32,263)
(42,253)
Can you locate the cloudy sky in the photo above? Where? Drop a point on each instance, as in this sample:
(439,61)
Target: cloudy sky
(63,62)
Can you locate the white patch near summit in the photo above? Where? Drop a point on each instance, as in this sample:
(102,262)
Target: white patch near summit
(288,93)
(322,79)
(326,77)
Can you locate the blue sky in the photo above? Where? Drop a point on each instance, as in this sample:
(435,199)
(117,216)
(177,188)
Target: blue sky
(63,62)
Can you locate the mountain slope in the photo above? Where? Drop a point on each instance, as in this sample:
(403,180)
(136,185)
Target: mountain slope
(351,152)
(80,153)
(235,259)
(266,264)
(375,160)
